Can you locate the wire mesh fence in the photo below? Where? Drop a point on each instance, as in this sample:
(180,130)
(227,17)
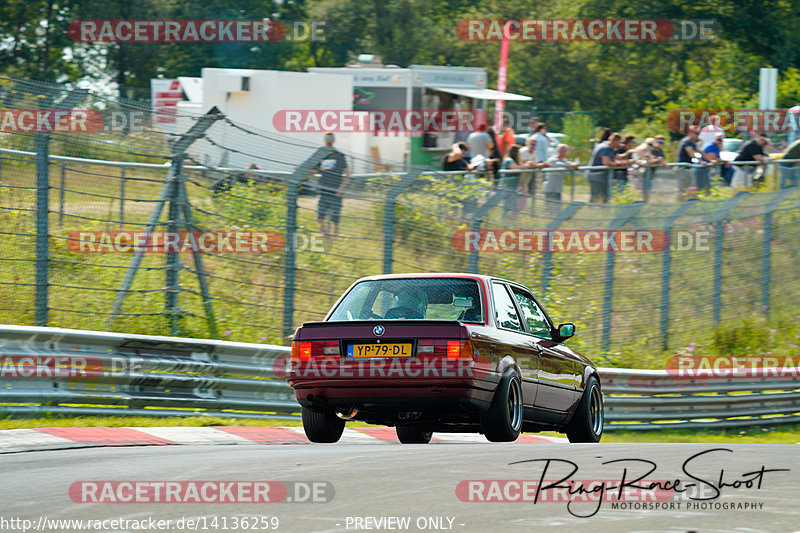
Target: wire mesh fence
(213,232)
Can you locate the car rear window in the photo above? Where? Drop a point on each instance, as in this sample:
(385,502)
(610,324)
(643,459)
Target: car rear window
(412,299)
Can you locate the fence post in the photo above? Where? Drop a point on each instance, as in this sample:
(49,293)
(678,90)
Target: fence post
(167,192)
(547,267)
(628,212)
(61,194)
(190,225)
(42,225)
(477,220)
(572,186)
(122,199)
(666,270)
(389,216)
(289,266)
(609,182)
(719,233)
(173,261)
(766,249)
(647,179)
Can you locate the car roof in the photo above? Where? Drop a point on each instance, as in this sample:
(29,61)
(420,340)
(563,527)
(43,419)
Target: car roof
(482,277)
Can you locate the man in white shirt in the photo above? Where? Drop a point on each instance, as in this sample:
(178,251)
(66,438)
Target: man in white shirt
(709,133)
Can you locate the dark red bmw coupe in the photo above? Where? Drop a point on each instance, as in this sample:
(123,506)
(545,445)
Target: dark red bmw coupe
(446,353)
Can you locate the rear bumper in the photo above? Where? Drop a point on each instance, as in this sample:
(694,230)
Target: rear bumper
(393,403)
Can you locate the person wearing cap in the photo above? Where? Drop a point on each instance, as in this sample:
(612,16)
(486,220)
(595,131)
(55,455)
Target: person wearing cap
(752,150)
(335,176)
(711,153)
(658,150)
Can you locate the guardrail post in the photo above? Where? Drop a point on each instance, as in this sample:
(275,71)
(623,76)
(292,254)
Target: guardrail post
(61,194)
(766,248)
(389,216)
(666,270)
(42,225)
(719,235)
(122,199)
(289,266)
(547,259)
(628,212)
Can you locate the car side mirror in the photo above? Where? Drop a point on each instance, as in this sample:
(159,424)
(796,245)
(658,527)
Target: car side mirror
(565,331)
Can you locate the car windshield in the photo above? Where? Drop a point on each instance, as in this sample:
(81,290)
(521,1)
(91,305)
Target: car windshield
(412,299)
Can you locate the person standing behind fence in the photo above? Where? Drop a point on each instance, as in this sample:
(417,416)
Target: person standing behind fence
(659,158)
(335,176)
(686,152)
(527,180)
(625,152)
(506,136)
(542,141)
(711,153)
(554,181)
(480,145)
(510,181)
(606,155)
(789,171)
(752,150)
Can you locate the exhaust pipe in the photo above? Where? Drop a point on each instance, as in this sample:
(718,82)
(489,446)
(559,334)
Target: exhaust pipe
(349,416)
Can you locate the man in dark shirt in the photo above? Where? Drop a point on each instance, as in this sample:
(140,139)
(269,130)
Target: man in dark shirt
(789,171)
(606,155)
(752,150)
(686,152)
(658,150)
(331,187)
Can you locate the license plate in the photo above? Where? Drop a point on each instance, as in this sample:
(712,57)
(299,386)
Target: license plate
(379,350)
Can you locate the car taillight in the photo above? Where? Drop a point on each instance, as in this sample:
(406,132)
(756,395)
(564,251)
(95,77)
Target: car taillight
(301,351)
(305,350)
(459,350)
(451,349)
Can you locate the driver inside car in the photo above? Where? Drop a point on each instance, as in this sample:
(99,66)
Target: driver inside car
(409,304)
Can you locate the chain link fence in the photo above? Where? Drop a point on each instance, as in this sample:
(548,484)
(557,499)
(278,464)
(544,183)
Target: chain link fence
(73,203)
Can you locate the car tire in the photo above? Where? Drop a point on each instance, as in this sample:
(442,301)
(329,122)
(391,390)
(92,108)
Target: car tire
(503,421)
(587,422)
(413,434)
(322,426)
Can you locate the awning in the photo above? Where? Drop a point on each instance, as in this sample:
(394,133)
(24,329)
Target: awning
(480,94)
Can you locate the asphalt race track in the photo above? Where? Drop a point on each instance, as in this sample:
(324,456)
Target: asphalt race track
(375,485)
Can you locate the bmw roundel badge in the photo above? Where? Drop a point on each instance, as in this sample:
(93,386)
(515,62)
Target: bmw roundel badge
(378,330)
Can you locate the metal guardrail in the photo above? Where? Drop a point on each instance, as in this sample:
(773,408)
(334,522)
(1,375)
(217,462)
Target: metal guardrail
(73,372)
